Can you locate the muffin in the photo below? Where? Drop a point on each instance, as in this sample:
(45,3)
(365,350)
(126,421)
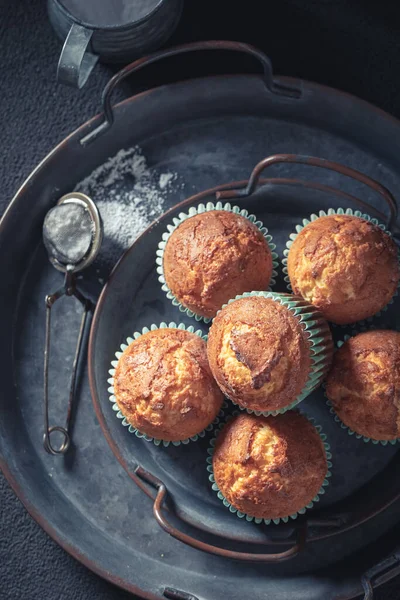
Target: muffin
(260,353)
(212,257)
(269,467)
(164,387)
(345,266)
(363,385)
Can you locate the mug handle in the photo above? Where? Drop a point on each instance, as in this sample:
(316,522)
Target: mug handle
(76,62)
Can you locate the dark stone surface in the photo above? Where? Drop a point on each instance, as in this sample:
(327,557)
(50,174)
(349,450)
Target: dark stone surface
(350,45)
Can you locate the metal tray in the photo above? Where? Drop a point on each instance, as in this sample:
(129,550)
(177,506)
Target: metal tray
(211,131)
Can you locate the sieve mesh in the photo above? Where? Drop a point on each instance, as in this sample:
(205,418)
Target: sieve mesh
(68,233)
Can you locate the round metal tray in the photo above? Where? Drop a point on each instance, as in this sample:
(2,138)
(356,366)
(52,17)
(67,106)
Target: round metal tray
(211,131)
(133,299)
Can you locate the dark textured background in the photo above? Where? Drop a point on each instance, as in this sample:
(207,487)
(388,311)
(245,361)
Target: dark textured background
(353,45)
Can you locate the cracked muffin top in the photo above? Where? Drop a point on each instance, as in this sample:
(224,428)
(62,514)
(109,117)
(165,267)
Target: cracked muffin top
(164,387)
(364,384)
(345,266)
(213,257)
(269,467)
(259,353)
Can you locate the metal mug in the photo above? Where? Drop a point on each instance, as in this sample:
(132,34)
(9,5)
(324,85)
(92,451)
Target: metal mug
(112,32)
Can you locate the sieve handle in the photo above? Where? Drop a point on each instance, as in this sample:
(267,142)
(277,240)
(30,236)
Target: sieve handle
(315,162)
(108,117)
(161,497)
(68,289)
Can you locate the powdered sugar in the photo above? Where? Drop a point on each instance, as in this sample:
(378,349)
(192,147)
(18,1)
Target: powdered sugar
(129,197)
(165,178)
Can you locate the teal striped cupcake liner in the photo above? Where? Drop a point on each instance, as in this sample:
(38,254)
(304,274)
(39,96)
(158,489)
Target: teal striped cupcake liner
(259,520)
(323,213)
(320,341)
(201,208)
(116,408)
(329,404)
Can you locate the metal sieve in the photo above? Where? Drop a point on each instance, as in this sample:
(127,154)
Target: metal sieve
(72,235)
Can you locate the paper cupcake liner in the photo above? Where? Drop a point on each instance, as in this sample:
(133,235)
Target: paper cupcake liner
(350,431)
(323,213)
(318,335)
(246,516)
(201,208)
(116,408)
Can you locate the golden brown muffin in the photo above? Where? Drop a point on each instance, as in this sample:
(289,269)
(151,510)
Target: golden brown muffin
(345,266)
(164,387)
(259,353)
(364,384)
(269,467)
(214,256)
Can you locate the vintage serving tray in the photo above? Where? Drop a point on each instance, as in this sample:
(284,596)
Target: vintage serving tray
(211,132)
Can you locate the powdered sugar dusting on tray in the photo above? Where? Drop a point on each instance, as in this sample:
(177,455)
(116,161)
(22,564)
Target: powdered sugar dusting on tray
(129,197)
(165,178)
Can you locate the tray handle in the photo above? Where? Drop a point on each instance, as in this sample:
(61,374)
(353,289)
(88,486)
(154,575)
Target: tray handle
(199,545)
(173,594)
(315,162)
(382,572)
(273,86)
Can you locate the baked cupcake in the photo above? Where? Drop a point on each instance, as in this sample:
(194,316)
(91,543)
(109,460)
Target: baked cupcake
(269,467)
(164,387)
(212,257)
(363,385)
(344,265)
(268,351)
